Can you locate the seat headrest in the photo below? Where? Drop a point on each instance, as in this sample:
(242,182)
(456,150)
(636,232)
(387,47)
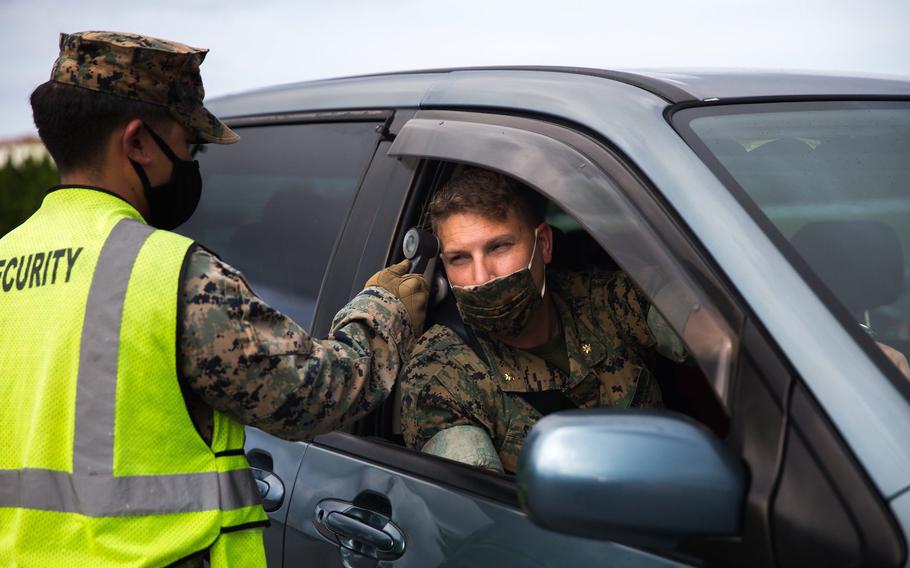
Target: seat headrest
(862,262)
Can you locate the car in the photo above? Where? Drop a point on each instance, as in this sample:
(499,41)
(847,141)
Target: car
(780,201)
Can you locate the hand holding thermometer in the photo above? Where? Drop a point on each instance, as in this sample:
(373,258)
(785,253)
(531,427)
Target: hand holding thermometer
(422,249)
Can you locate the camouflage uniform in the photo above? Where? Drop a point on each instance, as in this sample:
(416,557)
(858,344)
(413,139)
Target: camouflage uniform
(609,343)
(246,359)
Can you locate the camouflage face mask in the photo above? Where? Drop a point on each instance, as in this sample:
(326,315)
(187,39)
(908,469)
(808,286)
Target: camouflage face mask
(503,306)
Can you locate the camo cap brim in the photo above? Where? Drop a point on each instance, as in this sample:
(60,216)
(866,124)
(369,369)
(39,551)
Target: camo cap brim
(142,68)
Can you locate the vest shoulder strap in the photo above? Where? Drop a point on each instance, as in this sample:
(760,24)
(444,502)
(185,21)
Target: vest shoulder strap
(548,401)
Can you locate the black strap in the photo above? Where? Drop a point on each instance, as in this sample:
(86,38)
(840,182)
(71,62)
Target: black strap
(445,313)
(226,453)
(548,401)
(470,338)
(253,525)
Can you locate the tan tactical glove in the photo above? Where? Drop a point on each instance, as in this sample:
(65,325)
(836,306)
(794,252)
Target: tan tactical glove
(411,289)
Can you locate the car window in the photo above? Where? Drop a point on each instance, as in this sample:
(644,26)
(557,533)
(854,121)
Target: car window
(833,179)
(273,205)
(584,277)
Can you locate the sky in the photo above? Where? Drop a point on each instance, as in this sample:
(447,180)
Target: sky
(267,42)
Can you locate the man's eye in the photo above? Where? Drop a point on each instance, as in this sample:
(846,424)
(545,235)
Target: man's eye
(456,260)
(498,247)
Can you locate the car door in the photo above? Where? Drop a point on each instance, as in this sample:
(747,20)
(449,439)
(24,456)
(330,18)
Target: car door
(366,500)
(274,206)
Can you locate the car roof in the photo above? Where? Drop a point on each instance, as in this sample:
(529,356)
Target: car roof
(408,88)
(727,84)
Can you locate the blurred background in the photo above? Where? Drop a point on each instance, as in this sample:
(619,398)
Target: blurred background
(267,42)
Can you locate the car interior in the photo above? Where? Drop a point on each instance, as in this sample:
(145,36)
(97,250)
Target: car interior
(838,251)
(835,196)
(684,386)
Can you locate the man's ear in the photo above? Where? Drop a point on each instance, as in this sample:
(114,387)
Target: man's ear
(545,241)
(134,143)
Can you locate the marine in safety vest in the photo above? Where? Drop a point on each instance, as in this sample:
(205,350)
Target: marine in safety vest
(130,357)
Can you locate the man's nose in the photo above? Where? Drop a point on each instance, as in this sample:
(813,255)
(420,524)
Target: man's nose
(482,274)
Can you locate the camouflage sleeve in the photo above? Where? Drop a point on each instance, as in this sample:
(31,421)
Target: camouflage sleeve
(436,390)
(668,343)
(672,305)
(256,365)
(467,444)
(641,319)
(615,294)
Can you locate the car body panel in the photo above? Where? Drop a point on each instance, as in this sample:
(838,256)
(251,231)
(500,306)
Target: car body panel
(901,507)
(742,84)
(406,89)
(394,91)
(285,458)
(433,518)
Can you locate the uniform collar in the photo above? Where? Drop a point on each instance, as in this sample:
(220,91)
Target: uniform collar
(97,195)
(516,370)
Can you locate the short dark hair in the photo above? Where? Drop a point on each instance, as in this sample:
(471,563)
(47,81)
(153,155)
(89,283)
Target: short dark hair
(75,123)
(486,193)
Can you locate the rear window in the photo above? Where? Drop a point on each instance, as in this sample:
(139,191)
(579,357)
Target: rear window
(274,203)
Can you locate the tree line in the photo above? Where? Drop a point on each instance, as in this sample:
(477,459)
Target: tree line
(22,187)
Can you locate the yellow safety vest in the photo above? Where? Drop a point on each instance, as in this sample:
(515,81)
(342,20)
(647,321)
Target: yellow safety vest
(100,463)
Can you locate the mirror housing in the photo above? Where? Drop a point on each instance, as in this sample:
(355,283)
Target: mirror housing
(643,477)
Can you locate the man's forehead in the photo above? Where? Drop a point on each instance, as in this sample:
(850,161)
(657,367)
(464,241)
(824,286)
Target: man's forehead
(467,230)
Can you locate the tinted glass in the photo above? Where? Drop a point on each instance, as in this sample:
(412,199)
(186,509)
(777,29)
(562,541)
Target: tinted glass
(834,180)
(273,205)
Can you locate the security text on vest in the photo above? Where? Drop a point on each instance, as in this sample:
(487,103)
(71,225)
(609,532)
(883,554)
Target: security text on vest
(37,269)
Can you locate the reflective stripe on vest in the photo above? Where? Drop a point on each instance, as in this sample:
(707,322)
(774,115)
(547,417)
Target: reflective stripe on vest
(92,489)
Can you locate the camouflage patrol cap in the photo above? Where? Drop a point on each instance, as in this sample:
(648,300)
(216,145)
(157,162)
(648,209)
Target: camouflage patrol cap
(142,68)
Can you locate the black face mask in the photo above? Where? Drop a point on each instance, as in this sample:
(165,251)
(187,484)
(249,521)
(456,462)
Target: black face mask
(173,202)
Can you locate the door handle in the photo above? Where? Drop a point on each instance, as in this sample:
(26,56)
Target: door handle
(363,531)
(353,529)
(270,487)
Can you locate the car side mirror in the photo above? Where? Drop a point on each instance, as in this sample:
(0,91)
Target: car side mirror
(641,477)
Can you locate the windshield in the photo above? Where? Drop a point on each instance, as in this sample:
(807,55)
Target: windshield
(834,181)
